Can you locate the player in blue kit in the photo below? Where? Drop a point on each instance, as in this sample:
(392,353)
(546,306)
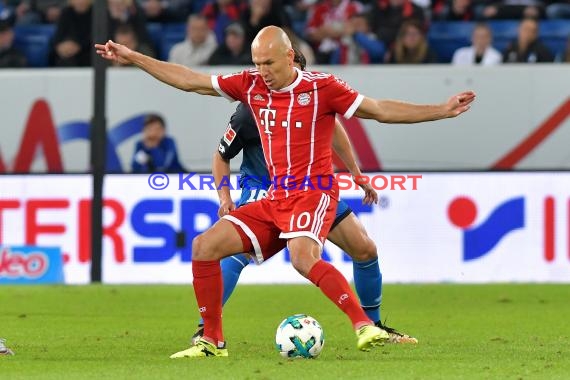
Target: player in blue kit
(346,232)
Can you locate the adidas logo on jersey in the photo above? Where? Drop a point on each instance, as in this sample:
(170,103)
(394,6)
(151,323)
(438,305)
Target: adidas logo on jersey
(259,98)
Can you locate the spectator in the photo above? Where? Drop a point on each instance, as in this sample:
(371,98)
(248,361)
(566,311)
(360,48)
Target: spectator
(10,57)
(166,11)
(155,151)
(327,24)
(234,50)
(456,10)
(481,52)
(359,45)
(128,12)
(527,47)
(411,46)
(198,46)
(39,11)
(72,37)
(125,35)
(221,13)
(513,9)
(388,16)
(262,13)
(157,11)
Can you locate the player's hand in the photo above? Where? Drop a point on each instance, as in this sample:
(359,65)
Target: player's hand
(115,52)
(226,206)
(370,194)
(460,103)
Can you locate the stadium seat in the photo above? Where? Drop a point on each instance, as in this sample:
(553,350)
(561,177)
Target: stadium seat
(171,35)
(175,29)
(299,27)
(445,47)
(501,43)
(154,30)
(38,29)
(449,29)
(504,29)
(555,28)
(555,44)
(446,37)
(554,34)
(35,42)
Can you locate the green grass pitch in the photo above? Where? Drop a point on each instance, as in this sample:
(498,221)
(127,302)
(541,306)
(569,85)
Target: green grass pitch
(128,332)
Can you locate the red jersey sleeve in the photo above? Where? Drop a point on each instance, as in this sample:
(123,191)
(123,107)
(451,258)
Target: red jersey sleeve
(341,98)
(232,86)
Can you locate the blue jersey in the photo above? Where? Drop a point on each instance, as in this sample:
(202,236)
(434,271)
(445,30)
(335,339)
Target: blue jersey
(242,134)
(163,158)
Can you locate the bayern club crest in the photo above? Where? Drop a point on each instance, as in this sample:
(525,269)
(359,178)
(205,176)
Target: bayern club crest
(303,99)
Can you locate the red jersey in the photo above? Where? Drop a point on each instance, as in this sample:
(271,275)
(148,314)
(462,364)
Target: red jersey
(296,125)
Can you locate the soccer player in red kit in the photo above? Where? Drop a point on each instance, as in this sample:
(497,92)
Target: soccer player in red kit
(295,113)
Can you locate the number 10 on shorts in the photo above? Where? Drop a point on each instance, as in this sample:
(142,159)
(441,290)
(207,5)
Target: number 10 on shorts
(300,222)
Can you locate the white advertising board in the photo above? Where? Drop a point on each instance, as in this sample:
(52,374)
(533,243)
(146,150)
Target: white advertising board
(456,227)
(520,119)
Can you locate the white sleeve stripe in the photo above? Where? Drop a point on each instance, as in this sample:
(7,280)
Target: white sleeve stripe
(219,90)
(352,109)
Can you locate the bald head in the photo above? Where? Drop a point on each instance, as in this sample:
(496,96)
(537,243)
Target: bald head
(272,36)
(272,54)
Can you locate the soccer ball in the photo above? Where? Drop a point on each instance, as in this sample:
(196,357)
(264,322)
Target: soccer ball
(299,336)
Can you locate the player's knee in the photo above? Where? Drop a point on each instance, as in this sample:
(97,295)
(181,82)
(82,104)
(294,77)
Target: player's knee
(202,248)
(302,263)
(366,251)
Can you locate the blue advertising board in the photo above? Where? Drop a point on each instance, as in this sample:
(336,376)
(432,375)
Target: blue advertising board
(30,265)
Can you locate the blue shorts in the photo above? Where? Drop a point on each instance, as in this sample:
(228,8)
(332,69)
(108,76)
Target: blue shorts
(254,194)
(342,211)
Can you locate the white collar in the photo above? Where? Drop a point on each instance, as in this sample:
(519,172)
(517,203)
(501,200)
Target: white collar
(294,84)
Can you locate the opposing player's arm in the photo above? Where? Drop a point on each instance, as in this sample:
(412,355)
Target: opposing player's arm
(343,147)
(172,74)
(221,170)
(399,112)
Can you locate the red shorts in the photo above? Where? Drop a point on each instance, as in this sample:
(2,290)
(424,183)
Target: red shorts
(266,225)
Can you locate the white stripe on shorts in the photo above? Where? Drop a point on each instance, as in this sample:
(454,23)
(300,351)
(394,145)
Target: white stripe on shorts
(320,212)
(309,234)
(258,258)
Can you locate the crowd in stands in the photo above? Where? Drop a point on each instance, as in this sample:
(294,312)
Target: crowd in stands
(58,33)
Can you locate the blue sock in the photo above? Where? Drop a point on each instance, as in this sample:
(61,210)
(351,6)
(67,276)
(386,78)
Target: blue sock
(231,270)
(368,284)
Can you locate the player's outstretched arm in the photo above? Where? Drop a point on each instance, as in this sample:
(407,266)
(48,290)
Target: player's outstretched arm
(172,74)
(221,170)
(343,147)
(398,112)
